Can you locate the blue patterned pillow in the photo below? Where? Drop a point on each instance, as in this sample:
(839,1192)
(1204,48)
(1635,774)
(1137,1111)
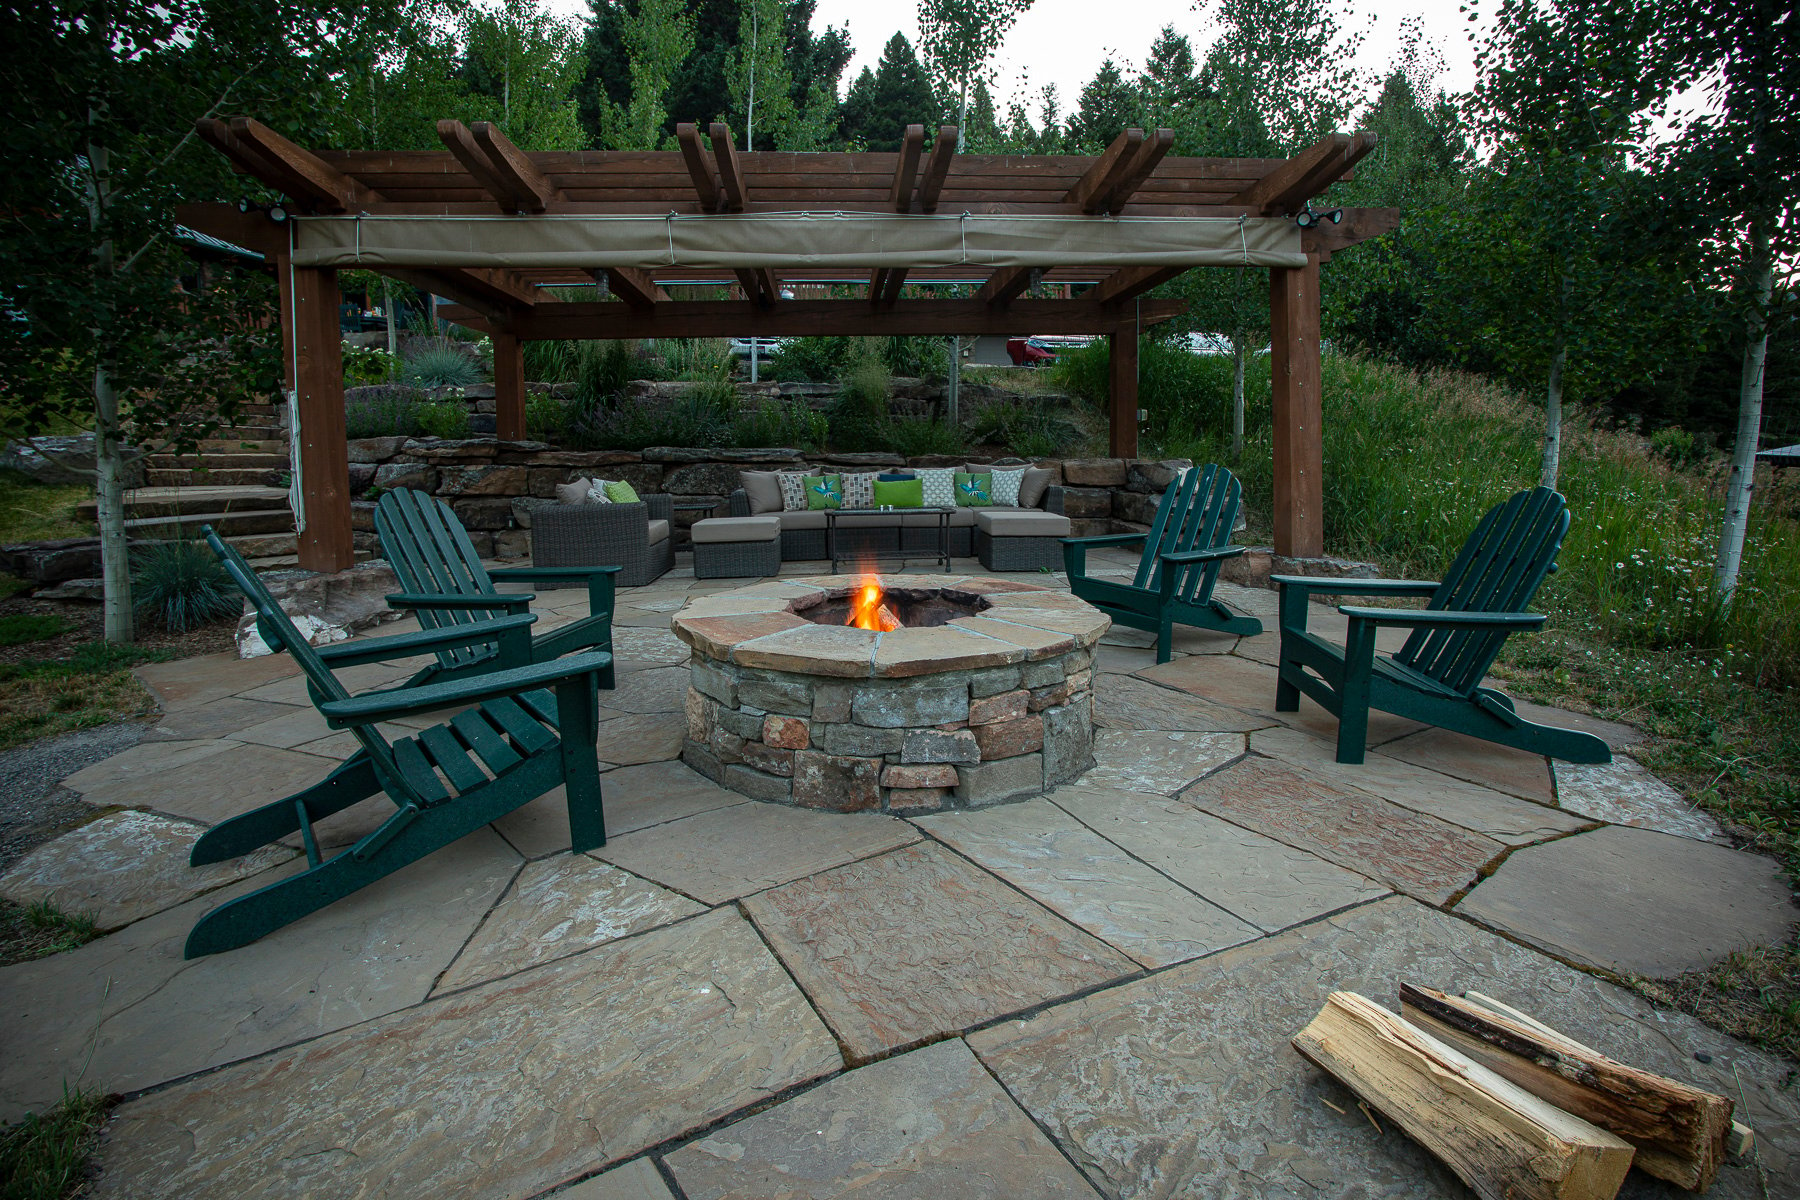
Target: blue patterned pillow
(1006,487)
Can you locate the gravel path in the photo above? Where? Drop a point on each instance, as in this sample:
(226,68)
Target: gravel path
(34,807)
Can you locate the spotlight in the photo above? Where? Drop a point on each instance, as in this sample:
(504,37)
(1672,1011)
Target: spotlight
(1308,219)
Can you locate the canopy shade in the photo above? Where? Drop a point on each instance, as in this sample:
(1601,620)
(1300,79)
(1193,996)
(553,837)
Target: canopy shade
(800,239)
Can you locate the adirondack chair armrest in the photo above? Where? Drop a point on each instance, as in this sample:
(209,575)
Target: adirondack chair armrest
(1443,618)
(1189,556)
(401,702)
(601,585)
(510,602)
(406,645)
(1107,539)
(1356,587)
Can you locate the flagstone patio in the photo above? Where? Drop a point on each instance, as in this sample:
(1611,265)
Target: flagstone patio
(1085,994)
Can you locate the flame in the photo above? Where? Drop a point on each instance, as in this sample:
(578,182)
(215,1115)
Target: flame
(867,611)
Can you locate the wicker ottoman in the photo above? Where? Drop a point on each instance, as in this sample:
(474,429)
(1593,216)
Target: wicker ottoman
(1019,539)
(736,547)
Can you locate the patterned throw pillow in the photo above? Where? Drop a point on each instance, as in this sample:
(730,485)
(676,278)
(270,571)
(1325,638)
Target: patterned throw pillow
(793,491)
(974,491)
(824,491)
(940,486)
(859,490)
(597,493)
(620,491)
(1006,487)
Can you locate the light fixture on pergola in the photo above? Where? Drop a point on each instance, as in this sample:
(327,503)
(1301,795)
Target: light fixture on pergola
(491,227)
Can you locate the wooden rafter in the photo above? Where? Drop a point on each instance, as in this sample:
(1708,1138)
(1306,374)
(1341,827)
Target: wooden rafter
(527,187)
(731,172)
(1101,172)
(699,166)
(906,169)
(931,183)
(461,143)
(1142,162)
(1289,186)
(1006,284)
(497,295)
(1130,283)
(298,173)
(1358,225)
(635,287)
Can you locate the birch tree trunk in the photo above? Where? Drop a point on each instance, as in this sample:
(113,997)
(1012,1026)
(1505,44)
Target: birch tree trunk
(109,472)
(1240,347)
(1742,482)
(1553,394)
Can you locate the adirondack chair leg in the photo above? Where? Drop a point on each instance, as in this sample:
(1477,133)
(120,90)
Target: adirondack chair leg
(1165,639)
(1287,692)
(351,783)
(1353,693)
(577,719)
(1230,622)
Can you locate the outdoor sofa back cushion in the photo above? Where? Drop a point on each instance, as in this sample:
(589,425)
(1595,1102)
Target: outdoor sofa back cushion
(824,491)
(582,490)
(900,493)
(974,491)
(859,489)
(1036,482)
(761,489)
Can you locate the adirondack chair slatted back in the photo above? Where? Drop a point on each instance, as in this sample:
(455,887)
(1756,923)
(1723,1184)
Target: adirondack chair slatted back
(1499,569)
(1198,512)
(279,633)
(430,552)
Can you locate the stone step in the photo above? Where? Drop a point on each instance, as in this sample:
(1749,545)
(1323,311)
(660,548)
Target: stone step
(265,545)
(163,528)
(284,562)
(225,445)
(224,476)
(225,459)
(203,498)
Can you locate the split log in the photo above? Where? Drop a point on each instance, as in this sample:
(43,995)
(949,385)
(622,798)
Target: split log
(1502,1141)
(1679,1131)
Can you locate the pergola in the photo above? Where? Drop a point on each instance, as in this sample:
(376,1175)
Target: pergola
(491,227)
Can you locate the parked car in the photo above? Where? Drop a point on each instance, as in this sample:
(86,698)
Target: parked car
(1029,351)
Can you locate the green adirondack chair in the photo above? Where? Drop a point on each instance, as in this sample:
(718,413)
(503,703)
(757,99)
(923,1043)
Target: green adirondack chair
(1436,676)
(447,586)
(1183,551)
(531,729)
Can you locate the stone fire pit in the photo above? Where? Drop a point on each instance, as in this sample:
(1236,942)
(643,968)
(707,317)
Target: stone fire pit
(984,696)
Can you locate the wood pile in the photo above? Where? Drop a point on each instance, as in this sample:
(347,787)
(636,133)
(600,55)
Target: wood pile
(1516,1109)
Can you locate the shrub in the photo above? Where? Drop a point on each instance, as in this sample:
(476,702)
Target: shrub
(918,357)
(859,418)
(780,423)
(811,360)
(443,419)
(693,358)
(1186,396)
(1028,430)
(917,436)
(441,365)
(1677,447)
(703,417)
(382,411)
(602,369)
(19,629)
(180,585)
(368,366)
(546,419)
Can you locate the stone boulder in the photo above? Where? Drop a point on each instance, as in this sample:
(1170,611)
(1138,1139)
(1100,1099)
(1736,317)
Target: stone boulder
(325,608)
(63,460)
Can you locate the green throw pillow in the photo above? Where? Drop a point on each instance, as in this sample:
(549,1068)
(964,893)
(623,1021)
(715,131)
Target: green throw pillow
(621,492)
(974,491)
(899,493)
(824,491)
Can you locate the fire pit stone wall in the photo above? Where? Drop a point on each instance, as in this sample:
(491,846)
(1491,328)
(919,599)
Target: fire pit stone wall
(993,706)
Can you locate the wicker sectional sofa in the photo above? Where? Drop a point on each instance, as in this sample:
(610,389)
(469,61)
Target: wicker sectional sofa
(637,538)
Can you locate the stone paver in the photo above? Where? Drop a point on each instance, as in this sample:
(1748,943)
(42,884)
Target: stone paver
(1502,817)
(148,1016)
(217,718)
(918,943)
(1184,1083)
(204,781)
(655,690)
(557,907)
(1250,686)
(634,798)
(1090,882)
(731,852)
(636,1180)
(1266,882)
(641,738)
(124,866)
(1636,901)
(579,1063)
(1126,702)
(1502,768)
(1623,793)
(294,727)
(928,1123)
(191,682)
(1156,761)
(635,647)
(1414,853)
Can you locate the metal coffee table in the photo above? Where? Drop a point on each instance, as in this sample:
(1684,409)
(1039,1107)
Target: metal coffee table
(832,549)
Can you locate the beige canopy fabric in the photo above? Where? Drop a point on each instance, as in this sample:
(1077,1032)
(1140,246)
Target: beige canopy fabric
(801,239)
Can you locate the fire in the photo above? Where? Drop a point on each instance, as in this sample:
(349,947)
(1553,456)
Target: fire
(867,610)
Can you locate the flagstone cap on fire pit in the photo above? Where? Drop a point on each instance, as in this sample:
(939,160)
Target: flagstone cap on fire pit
(1010,621)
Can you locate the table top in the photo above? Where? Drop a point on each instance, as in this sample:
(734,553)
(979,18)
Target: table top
(882,512)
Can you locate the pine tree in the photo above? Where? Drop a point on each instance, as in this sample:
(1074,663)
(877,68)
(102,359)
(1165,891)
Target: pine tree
(1106,106)
(881,105)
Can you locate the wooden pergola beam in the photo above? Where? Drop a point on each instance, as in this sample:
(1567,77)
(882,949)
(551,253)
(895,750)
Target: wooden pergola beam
(906,169)
(1102,173)
(1299,506)
(497,295)
(1130,283)
(799,318)
(461,143)
(731,172)
(1006,284)
(326,543)
(297,173)
(937,170)
(699,166)
(1143,161)
(1287,188)
(634,286)
(1358,225)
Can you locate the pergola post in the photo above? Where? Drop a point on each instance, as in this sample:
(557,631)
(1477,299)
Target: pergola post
(509,388)
(1299,501)
(1122,388)
(325,542)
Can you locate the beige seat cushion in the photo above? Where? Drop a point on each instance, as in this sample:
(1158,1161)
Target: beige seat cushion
(900,518)
(1021,522)
(659,532)
(725,530)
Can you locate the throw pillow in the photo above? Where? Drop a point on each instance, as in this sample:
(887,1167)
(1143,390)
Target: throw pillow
(1037,482)
(621,492)
(939,486)
(573,492)
(859,490)
(793,491)
(894,476)
(763,491)
(974,491)
(899,493)
(1006,487)
(824,491)
(597,493)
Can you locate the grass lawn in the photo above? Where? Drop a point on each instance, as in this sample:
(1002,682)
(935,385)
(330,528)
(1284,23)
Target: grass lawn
(44,1157)
(39,512)
(93,686)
